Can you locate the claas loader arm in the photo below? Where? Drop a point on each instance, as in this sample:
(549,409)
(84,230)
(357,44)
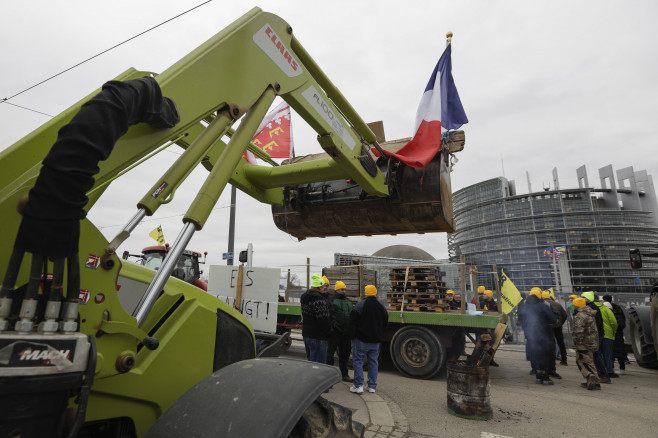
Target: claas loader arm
(156,336)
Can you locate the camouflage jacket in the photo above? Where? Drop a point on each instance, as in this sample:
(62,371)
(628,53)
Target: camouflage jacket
(585,332)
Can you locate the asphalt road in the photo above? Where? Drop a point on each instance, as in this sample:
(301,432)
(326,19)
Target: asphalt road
(626,408)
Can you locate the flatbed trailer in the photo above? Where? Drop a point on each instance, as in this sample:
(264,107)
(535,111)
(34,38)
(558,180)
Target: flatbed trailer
(419,342)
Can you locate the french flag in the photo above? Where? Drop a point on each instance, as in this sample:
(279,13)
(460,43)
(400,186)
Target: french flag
(440,110)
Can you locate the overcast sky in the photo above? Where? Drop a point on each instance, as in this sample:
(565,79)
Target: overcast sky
(544,84)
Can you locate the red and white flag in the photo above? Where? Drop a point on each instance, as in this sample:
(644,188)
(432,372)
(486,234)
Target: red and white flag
(274,134)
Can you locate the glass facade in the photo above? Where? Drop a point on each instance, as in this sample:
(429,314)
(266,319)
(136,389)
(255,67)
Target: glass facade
(596,226)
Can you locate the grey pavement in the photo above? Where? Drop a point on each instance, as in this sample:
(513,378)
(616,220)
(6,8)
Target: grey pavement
(412,408)
(521,408)
(381,416)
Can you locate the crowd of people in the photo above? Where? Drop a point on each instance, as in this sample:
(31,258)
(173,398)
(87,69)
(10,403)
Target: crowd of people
(333,324)
(597,331)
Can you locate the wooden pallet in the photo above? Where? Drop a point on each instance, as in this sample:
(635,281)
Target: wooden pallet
(419,294)
(416,308)
(419,283)
(418,268)
(350,276)
(416,302)
(417,290)
(414,277)
(393,294)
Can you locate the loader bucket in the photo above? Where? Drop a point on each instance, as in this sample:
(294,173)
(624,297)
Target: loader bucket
(419,201)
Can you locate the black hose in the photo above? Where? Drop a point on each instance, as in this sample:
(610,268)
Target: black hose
(34,281)
(56,293)
(9,282)
(72,278)
(85,389)
(51,218)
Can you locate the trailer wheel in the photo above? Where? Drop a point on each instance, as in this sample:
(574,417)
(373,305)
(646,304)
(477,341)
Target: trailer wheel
(641,339)
(324,418)
(417,352)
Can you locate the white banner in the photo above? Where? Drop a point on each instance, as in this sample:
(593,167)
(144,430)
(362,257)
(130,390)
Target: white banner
(260,292)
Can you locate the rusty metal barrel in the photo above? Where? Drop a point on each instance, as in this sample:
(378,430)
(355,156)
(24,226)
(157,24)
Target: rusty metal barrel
(468,391)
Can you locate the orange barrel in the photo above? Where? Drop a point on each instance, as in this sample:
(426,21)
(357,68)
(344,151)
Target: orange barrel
(468,391)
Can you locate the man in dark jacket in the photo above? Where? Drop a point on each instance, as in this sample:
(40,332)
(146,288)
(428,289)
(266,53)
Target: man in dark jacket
(340,340)
(316,321)
(450,298)
(557,328)
(368,322)
(536,319)
(488,303)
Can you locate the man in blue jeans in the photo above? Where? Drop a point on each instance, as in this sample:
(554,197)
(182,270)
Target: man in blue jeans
(368,322)
(316,321)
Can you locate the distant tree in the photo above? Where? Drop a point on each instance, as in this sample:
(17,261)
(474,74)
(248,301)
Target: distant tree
(295,280)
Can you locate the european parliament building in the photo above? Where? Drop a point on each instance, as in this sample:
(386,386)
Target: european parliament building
(594,228)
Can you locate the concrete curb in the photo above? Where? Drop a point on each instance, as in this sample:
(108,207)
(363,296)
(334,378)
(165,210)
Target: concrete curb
(382,417)
(400,427)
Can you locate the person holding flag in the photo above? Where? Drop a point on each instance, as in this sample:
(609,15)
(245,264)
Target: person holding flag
(537,320)
(510,298)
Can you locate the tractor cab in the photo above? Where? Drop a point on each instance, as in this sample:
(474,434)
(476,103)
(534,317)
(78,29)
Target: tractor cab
(187,267)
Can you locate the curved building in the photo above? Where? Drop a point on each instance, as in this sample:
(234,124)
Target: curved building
(593,230)
(404,252)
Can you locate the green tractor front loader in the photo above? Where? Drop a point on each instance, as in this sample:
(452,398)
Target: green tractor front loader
(95,347)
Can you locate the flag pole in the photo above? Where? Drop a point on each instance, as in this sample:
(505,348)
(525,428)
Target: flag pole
(555,269)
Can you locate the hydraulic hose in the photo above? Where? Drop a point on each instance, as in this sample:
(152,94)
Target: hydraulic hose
(55,206)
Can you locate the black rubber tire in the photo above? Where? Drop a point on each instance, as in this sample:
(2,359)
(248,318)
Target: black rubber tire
(326,419)
(654,321)
(641,339)
(417,352)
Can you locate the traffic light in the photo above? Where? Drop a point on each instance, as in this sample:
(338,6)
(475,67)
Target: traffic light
(636,258)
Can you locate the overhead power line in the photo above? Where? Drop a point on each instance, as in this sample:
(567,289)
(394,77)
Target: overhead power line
(5,99)
(26,108)
(159,218)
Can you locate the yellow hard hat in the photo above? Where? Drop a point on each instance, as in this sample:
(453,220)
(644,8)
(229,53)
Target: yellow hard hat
(481,289)
(579,302)
(545,294)
(571,297)
(339,285)
(326,280)
(488,293)
(450,292)
(371,290)
(536,292)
